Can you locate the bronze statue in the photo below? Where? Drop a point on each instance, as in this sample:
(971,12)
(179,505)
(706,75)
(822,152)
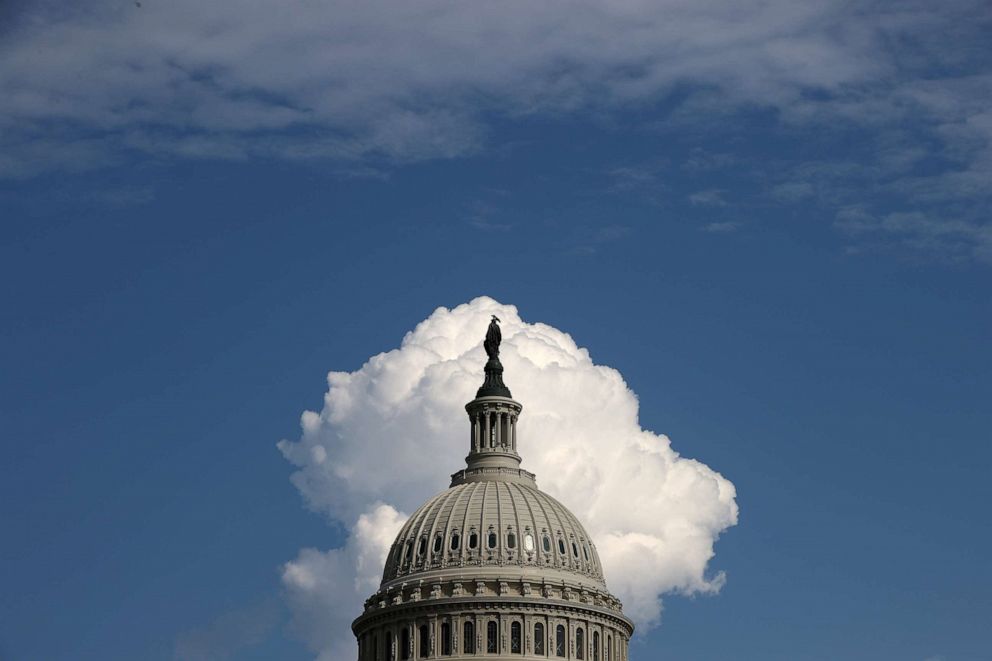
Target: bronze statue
(493,385)
(493,338)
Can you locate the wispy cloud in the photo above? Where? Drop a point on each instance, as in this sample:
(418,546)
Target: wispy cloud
(485,216)
(708,198)
(124,197)
(230,633)
(383,82)
(722,227)
(406,82)
(589,240)
(953,239)
(792,191)
(701,160)
(633,177)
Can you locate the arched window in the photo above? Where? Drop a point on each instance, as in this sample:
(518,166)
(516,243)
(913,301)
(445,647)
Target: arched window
(375,647)
(492,539)
(405,643)
(561,546)
(580,644)
(389,647)
(438,541)
(609,648)
(468,638)
(473,540)
(492,637)
(445,639)
(516,646)
(456,541)
(425,642)
(547,544)
(539,639)
(595,646)
(511,541)
(560,641)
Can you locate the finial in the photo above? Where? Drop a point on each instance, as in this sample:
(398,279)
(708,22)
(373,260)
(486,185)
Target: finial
(493,385)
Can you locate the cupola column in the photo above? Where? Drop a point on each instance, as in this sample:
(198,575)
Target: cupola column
(476,422)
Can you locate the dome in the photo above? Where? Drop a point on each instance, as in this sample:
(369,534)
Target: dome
(492,565)
(495,528)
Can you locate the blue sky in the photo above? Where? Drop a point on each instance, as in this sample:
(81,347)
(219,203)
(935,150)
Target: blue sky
(772,219)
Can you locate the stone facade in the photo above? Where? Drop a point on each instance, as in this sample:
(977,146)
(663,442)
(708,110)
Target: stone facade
(492,567)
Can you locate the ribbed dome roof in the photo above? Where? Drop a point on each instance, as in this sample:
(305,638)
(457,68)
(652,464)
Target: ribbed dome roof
(494,527)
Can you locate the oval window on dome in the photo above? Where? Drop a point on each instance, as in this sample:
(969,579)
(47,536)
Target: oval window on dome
(528,542)
(422,548)
(456,540)
(547,544)
(511,540)
(492,539)
(473,540)
(585,552)
(561,546)
(575,549)
(438,541)
(409,552)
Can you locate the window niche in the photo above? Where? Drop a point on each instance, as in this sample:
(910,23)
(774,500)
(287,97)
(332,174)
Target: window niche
(492,637)
(468,637)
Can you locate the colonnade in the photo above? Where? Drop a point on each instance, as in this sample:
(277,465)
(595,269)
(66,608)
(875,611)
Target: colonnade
(494,430)
(502,636)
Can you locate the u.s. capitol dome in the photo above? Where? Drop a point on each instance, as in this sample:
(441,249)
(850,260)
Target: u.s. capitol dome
(493,567)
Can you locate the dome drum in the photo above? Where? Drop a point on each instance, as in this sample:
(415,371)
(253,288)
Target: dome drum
(468,629)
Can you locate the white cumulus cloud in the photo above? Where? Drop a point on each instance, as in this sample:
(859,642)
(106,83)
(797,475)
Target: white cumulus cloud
(391,433)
